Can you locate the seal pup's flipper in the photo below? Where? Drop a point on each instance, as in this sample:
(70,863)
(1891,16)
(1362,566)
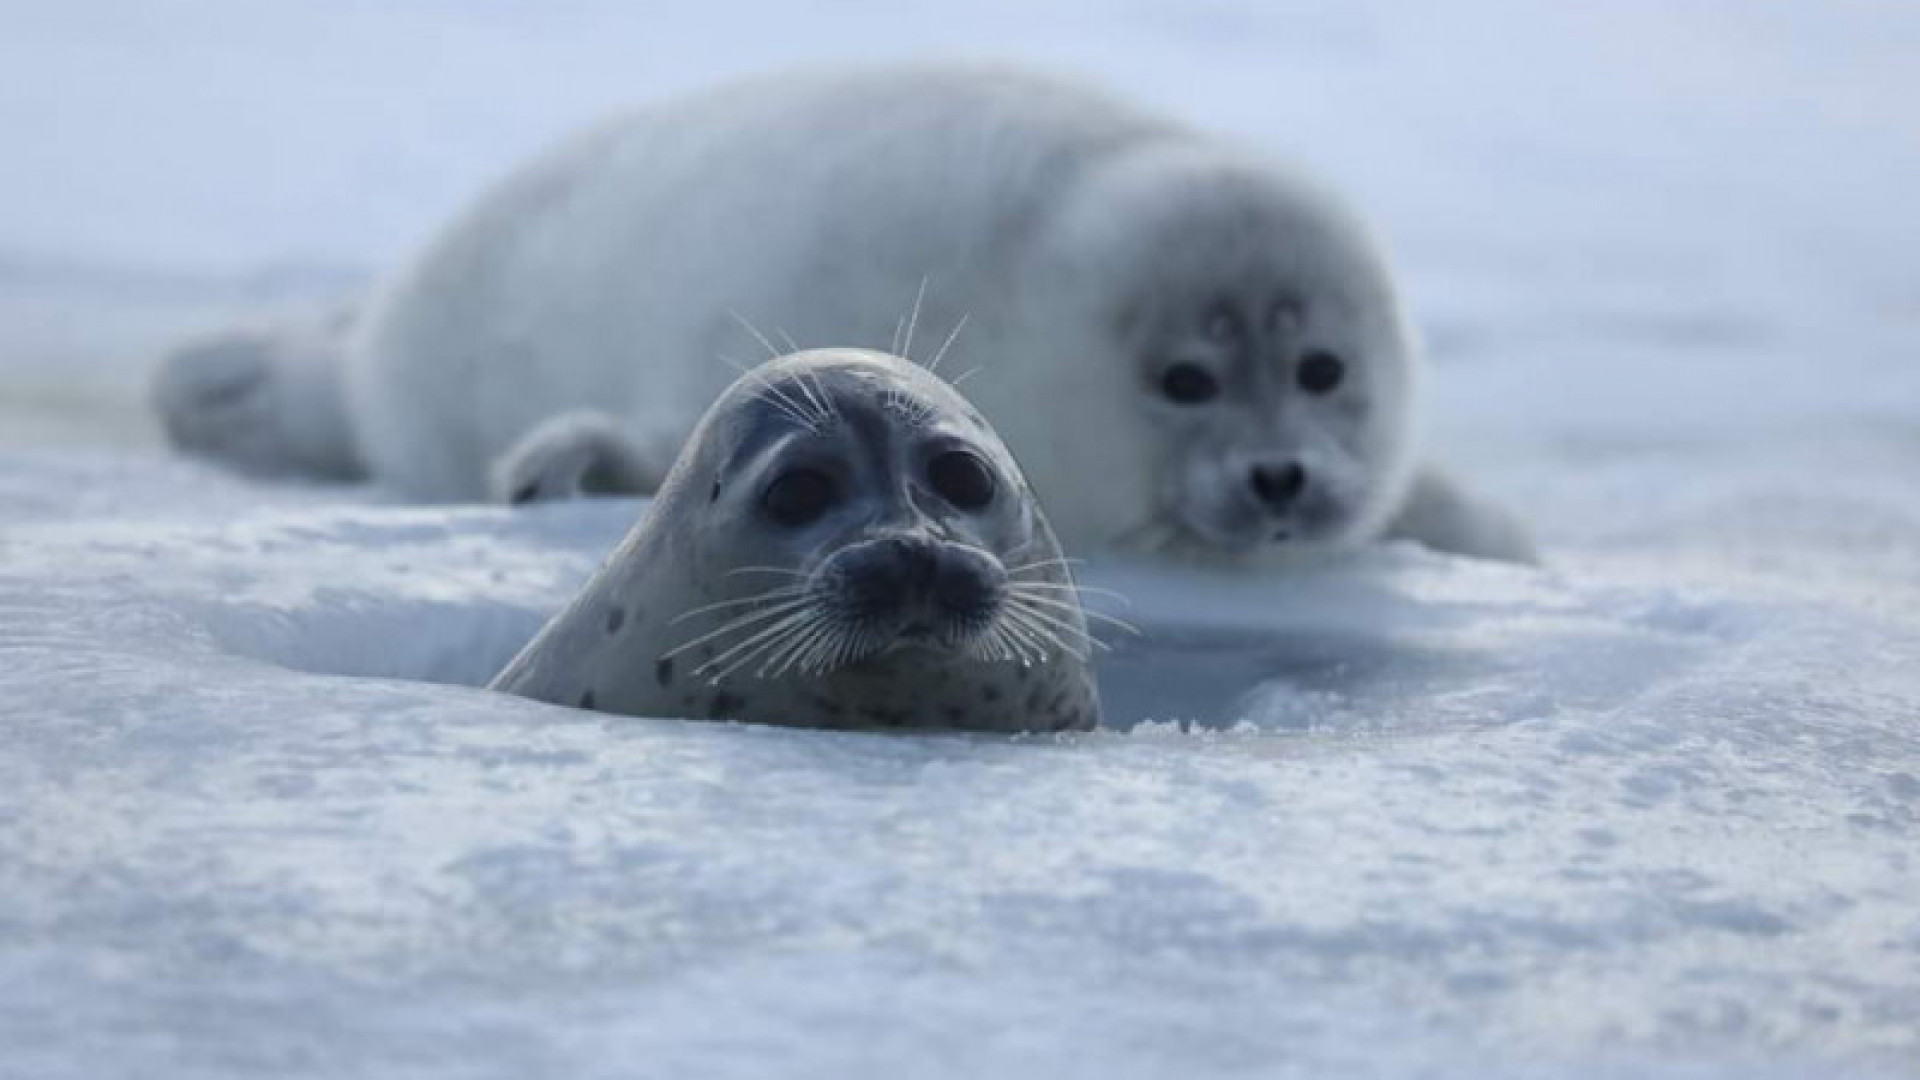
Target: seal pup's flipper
(1440,514)
(572,455)
(266,399)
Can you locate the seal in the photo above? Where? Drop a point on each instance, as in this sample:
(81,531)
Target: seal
(1200,354)
(845,543)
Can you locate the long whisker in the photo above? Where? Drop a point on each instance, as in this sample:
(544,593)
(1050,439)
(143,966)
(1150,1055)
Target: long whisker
(750,618)
(1061,561)
(787,340)
(1080,590)
(1023,605)
(769,648)
(787,570)
(1027,621)
(792,409)
(795,644)
(934,364)
(791,620)
(781,593)
(1062,605)
(906,348)
(772,353)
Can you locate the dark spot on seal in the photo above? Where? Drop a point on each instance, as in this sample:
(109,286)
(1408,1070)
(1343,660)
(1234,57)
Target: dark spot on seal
(714,495)
(586,700)
(615,616)
(885,717)
(723,705)
(524,493)
(663,671)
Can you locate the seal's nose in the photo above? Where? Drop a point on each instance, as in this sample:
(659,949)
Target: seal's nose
(897,575)
(967,585)
(1277,484)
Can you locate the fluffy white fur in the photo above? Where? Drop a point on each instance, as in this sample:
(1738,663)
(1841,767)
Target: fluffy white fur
(607,287)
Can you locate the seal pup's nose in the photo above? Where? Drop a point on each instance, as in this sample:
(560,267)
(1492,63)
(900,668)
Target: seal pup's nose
(1277,484)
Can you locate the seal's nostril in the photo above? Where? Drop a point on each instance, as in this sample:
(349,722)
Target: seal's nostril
(1277,485)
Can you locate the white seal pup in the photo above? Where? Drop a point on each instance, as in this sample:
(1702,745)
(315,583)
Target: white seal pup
(843,542)
(1198,354)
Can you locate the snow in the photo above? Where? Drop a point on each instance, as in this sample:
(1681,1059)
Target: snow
(1646,812)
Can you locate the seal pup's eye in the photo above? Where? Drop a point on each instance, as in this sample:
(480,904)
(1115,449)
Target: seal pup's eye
(799,496)
(1189,384)
(1319,372)
(961,478)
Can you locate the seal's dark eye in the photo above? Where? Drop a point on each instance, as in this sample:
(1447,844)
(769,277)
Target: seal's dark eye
(961,478)
(799,496)
(1189,384)
(1319,372)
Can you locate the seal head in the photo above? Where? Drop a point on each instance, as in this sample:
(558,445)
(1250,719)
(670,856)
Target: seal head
(843,542)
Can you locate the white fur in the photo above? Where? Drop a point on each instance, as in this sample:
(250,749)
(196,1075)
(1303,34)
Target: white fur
(605,275)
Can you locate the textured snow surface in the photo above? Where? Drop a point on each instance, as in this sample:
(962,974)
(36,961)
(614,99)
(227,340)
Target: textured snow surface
(1650,811)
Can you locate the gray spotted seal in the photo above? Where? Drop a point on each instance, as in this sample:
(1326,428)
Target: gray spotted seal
(1243,382)
(843,542)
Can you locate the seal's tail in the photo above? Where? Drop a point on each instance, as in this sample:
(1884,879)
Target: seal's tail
(265,399)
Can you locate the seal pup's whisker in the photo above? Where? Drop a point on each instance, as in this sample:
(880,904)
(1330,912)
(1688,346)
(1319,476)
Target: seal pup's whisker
(739,624)
(764,638)
(965,375)
(781,593)
(1062,605)
(787,570)
(1047,638)
(906,347)
(787,340)
(1059,561)
(780,659)
(772,353)
(778,398)
(933,365)
(1079,590)
(1022,647)
(1026,606)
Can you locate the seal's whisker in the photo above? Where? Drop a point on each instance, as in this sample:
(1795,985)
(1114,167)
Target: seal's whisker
(778,398)
(758,639)
(828,408)
(1017,643)
(1060,561)
(1077,590)
(781,657)
(913,317)
(787,570)
(1048,638)
(964,376)
(1024,605)
(786,339)
(821,655)
(781,593)
(934,364)
(1062,605)
(772,353)
(816,647)
(742,622)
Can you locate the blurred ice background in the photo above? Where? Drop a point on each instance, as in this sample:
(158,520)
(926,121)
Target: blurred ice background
(1647,812)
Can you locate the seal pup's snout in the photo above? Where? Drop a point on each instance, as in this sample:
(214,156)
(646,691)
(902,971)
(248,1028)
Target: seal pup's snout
(915,587)
(1277,484)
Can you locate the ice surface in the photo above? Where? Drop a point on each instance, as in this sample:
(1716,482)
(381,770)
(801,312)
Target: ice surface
(1647,812)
